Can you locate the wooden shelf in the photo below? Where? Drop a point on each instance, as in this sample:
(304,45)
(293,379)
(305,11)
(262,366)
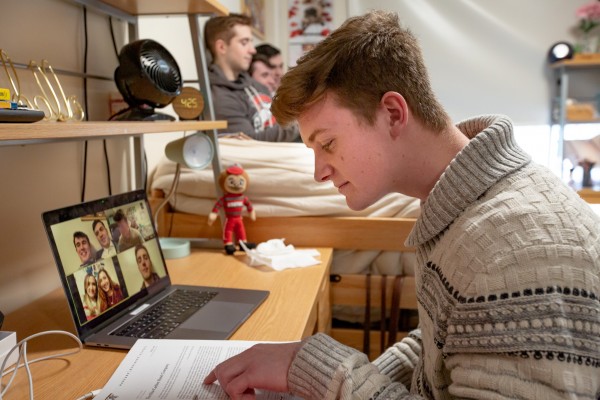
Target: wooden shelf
(577,63)
(53,131)
(159,7)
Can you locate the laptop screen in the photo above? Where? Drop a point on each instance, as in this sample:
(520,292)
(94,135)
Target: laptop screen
(107,254)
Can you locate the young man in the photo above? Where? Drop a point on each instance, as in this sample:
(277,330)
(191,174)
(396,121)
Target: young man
(84,249)
(508,256)
(145,266)
(262,71)
(104,237)
(129,236)
(275,59)
(237,98)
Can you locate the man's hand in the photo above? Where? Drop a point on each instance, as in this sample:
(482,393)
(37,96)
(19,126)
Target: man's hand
(263,366)
(238,135)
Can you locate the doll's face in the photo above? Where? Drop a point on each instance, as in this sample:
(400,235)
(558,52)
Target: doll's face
(235,184)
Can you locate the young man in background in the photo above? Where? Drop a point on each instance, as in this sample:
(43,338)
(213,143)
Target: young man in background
(275,58)
(237,98)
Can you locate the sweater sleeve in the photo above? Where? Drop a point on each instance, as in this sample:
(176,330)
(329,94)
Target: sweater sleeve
(399,361)
(326,369)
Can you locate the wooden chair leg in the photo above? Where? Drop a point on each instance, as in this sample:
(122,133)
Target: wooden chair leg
(382,324)
(367,326)
(395,311)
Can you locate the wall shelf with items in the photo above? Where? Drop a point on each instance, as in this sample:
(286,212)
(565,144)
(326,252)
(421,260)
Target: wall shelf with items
(130,10)
(576,99)
(44,132)
(52,132)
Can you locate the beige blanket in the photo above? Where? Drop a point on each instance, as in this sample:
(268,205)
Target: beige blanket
(282,184)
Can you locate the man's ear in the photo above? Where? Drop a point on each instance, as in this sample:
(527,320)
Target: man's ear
(220,46)
(396,107)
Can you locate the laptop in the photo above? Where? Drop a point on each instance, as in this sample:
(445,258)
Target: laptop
(117,284)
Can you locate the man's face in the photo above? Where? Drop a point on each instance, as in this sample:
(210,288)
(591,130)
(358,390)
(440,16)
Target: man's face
(265,75)
(123,227)
(277,63)
(349,153)
(102,235)
(144,264)
(239,51)
(82,246)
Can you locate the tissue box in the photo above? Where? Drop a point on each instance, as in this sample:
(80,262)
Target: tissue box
(7,341)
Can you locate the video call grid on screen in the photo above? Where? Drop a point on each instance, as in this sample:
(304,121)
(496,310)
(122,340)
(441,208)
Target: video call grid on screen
(91,264)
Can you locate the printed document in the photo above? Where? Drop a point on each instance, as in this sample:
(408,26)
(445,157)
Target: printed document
(174,369)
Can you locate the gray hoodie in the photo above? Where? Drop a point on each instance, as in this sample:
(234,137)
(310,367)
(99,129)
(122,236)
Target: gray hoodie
(246,106)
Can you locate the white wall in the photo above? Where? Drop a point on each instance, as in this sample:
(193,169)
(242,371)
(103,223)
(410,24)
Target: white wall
(36,178)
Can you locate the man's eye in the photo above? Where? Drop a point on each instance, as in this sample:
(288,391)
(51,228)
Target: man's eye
(327,146)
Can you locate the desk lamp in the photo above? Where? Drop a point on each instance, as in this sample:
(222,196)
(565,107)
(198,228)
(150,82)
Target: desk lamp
(195,151)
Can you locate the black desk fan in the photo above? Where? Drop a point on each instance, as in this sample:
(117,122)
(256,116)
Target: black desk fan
(147,77)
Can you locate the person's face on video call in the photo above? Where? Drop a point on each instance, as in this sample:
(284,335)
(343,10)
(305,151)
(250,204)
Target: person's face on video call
(102,235)
(144,263)
(82,246)
(123,227)
(91,287)
(104,282)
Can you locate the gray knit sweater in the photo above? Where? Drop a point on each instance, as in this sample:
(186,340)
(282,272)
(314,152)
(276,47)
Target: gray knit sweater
(507,284)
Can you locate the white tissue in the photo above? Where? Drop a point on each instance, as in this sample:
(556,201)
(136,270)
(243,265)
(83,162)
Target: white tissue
(279,256)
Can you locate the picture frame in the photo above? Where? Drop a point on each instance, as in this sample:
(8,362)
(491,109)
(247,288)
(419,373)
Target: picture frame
(255,9)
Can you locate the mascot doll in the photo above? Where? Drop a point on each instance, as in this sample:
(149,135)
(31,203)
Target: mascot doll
(234,182)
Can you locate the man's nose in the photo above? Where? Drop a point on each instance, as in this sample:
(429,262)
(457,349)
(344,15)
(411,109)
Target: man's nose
(322,171)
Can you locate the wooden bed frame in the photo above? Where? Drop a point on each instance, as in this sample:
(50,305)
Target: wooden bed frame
(387,293)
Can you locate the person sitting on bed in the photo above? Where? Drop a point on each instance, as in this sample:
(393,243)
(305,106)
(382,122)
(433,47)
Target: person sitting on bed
(237,98)
(508,256)
(275,58)
(262,71)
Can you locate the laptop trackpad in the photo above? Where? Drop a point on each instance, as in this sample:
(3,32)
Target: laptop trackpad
(220,316)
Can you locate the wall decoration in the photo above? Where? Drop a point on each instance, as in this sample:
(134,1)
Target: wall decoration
(309,21)
(255,9)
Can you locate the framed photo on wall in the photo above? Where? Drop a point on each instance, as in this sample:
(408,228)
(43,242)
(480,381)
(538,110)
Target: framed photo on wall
(309,22)
(255,9)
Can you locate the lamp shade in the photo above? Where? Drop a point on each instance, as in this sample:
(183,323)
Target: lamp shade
(195,151)
(560,51)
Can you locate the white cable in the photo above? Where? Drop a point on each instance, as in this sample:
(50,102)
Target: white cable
(89,395)
(22,346)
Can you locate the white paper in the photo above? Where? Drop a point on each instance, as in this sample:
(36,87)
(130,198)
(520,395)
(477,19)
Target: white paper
(174,369)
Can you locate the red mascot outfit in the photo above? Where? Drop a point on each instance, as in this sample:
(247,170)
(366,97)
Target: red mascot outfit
(233,205)
(234,182)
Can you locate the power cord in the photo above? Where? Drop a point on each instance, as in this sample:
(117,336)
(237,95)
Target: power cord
(22,346)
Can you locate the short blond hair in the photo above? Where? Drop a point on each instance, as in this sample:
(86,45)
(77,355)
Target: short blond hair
(366,57)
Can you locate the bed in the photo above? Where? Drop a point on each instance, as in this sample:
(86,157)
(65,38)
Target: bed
(291,205)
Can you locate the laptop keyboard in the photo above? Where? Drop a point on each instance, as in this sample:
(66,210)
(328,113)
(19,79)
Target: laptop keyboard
(158,321)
